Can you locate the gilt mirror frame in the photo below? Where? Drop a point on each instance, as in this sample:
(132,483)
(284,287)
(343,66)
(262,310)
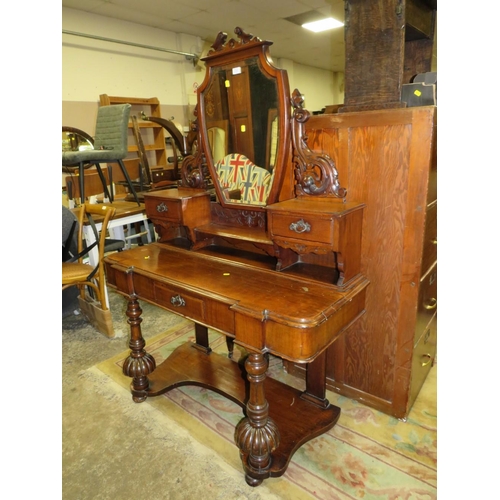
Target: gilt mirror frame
(231,55)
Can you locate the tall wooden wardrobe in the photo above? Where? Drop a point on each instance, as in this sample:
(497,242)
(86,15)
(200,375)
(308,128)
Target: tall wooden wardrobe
(387,160)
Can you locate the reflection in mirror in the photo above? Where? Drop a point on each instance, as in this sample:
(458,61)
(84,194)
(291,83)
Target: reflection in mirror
(242,181)
(272,139)
(217,138)
(241,122)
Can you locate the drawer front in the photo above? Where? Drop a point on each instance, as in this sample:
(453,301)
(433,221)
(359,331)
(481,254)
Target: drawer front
(306,228)
(430,239)
(179,302)
(161,208)
(427,300)
(424,355)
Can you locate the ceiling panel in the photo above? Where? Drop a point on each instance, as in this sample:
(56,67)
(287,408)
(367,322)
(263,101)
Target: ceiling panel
(263,18)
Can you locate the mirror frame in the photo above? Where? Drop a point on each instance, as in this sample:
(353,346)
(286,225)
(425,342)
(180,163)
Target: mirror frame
(229,53)
(89,138)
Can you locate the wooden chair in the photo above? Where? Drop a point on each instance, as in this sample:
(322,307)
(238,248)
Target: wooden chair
(86,276)
(92,187)
(110,146)
(160,177)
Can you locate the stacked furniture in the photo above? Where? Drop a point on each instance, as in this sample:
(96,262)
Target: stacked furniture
(152,136)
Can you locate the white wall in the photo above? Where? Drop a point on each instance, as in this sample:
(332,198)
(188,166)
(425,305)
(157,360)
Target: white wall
(318,86)
(93,67)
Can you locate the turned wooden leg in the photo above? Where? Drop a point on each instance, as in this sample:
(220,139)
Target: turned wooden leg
(257,435)
(139,363)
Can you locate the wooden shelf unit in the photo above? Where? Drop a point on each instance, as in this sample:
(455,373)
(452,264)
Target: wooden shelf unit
(154,142)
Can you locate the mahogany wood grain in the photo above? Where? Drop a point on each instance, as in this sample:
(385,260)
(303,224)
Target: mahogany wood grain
(285,278)
(229,296)
(174,209)
(298,420)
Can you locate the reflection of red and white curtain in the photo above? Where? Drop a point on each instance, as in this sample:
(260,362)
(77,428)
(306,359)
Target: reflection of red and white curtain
(236,171)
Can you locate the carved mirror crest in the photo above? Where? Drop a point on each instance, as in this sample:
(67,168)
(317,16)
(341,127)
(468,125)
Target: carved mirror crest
(243,120)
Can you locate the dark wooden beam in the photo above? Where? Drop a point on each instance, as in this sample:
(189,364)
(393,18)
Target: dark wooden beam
(387,43)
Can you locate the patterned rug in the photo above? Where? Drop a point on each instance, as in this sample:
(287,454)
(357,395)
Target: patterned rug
(368,455)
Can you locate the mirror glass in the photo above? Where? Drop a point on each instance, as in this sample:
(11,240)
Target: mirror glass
(241,125)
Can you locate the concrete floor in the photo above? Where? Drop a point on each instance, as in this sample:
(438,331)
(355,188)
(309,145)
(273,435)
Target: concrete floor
(112,448)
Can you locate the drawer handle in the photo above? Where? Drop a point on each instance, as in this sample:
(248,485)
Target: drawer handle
(428,359)
(177,301)
(161,207)
(434,241)
(300,226)
(432,304)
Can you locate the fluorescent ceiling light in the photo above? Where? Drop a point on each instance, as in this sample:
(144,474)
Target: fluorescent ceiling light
(323,25)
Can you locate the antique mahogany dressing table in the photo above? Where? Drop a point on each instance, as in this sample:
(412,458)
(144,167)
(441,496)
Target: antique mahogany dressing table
(271,259)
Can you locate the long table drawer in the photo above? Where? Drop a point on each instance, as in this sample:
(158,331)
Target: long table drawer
(180,302)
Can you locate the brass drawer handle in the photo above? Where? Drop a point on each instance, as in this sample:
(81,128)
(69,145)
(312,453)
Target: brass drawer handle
(434,241)
(432,304)
(428,359)
(161,207)
(300,226)
(177,301)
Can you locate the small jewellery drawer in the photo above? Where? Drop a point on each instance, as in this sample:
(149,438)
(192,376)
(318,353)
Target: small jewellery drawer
(161,208)
(307,228)
(427,298)
(180,302)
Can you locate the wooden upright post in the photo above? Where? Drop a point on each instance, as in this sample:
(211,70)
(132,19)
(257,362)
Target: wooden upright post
(383,47)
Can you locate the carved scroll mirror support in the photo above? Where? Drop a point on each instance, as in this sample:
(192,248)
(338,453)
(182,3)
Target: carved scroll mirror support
(315,173)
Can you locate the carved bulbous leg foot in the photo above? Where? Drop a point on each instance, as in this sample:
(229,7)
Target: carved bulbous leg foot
(257,435)
(139,364)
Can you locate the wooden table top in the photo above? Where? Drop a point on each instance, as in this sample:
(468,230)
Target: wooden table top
(283,302)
